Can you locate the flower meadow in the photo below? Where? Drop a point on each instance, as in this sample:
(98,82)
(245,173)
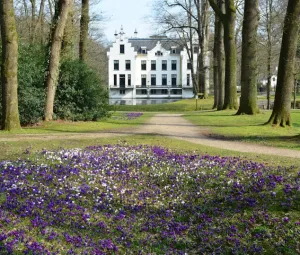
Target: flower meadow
(120,199)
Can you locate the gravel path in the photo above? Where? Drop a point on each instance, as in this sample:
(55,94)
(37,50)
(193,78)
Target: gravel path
(170,125)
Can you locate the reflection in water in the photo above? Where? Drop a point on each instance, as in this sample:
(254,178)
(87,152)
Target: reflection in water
(140,101)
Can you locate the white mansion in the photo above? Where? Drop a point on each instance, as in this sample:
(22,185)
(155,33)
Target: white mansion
(156,67)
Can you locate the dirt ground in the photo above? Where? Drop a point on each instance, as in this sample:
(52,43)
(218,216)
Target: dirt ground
(170,125)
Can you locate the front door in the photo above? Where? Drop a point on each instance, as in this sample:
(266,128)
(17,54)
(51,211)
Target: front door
(122,80)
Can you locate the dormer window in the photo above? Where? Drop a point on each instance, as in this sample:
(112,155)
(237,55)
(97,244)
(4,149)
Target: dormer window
(144,50)
(173,50)
(158,53)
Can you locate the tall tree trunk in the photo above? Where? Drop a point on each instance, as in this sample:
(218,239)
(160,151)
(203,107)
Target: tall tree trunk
(67,51)
(203,58)
(205,43)
(84,28)
(216,63)
(248,103)
(190,50)
(230,100)
(51,9)
(39,22)
(228,19)
(282,104)
(33,20)
(58,26)
(221,59)
(9,66)
(269,11)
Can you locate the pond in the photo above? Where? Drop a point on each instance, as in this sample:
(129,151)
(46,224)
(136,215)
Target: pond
(140,101)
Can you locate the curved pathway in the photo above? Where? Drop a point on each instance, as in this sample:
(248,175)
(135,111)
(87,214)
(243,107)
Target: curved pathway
(170,125)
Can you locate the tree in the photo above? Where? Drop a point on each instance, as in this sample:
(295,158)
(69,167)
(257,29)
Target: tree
(67,51)
(9,66)
(203,37)
(84,28)
(58,26)
(228,19)
(219,60)
(248,103)
(269,37)
(190,21)
(282,104)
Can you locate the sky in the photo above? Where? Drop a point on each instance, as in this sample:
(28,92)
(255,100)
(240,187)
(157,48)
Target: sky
(131,14)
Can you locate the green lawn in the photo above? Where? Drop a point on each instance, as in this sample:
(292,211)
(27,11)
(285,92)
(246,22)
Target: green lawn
(225,125)
(116,121)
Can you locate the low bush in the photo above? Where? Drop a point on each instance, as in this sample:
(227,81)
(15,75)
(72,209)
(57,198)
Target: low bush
(80,95)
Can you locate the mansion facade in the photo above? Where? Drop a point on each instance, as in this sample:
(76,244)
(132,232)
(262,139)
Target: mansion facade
(156,67)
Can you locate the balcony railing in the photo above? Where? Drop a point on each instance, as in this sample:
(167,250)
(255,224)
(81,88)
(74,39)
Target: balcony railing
(121,87)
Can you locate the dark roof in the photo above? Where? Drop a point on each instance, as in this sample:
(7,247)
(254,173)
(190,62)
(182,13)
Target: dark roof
(150,43)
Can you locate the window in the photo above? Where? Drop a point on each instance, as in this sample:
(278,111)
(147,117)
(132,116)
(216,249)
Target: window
(116,65)
(122,48)
(274,79)
(153,65)
(188,78)
(144,92)
(196,49)
(189,65)
(164,65)
(144,80)
(122,80)
(173,50)
(153,79)
(158,53)
(127,64)
(174,65)
(144,65)
(122,92)
(174,80)
(153,91)
(115,79)
(129,80)
(144,50)
(164,91)
(164,80)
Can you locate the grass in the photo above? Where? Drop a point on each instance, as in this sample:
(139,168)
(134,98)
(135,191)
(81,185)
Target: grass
(118,120)
(179,106)
(20,149)
(225,125)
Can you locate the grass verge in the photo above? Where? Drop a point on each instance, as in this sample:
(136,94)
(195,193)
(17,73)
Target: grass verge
(226,125)
(118,120)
